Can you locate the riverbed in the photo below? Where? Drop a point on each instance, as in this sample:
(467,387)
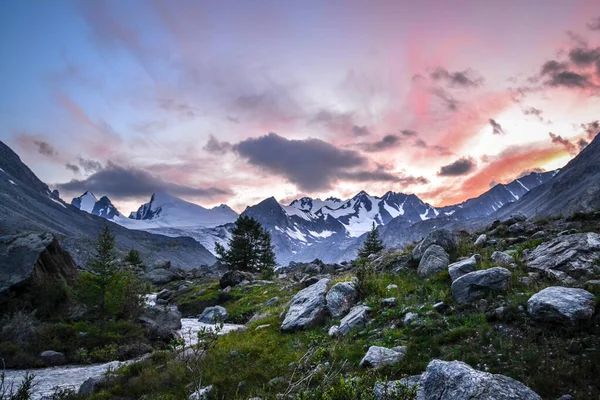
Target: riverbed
(47,380)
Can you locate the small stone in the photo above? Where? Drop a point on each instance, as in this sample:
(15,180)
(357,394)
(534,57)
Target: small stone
(481,240)
(392,286)
(333,331)
(410,318)
(389,302)
(378,357)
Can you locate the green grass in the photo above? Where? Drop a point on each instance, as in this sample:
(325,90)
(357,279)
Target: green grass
(549,359)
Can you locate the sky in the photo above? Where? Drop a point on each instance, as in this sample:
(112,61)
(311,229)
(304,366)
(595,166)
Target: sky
(233,102)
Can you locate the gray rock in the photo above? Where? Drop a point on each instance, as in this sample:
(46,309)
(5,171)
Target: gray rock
(357,317)
(308,308)
(567,258)
(201,394)
(212,315)
(378,357)
(333,331)
(309,281)
(562,305)
(258,317)
(234,277)
(441,237)
(89,386)
(52,358)
(410,318)
(481,240)
(341,298)
(434,260)
(272,301)
(456,380)
(160,276)
(165,295)
(539,235)
(460,268)
(38,256)
(501,258)
(389,302)
(161,322)
(475,285)
(391,286)
(593,284)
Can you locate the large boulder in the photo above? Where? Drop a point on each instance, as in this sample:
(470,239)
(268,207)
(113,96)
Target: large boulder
(160,276)
(357,317)
(463,267)
(52,358)
(308,308)
(562,305)
(213,315)
(567,258)
(341,298)
(233,278)
(475,285)
(455,380)
(378,357)
(501,258)
(434,260)
(442,237)
(161,322)
(33,258)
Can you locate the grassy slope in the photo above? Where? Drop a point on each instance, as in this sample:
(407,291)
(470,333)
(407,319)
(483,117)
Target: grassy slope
(551,360)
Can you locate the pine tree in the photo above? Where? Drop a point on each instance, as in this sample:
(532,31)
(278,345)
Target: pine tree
(250,247)
(104,286)
(373,244)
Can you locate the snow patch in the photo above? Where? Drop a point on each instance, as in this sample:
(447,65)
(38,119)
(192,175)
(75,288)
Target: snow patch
(11,181)
(57,202)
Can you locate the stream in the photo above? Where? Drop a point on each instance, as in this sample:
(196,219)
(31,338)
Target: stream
(47,380)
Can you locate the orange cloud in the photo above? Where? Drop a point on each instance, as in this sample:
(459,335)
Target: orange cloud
(503,168)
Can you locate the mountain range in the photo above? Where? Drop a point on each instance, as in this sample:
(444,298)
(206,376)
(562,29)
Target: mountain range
(332,229)
(28,205)
(307,228)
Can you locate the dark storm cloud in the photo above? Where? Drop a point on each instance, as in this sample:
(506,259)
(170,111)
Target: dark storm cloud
(463,79)
(126,182)
(387,142)
(569,79)
(496,128)
(582,143)
(584,57)
(73,168)
(89,166)
(461,166)
(552,66)
(311,164)
(408,132)
(594,24)
(570,147)
(383,176)
(216,147)
(360,131)
(45,148)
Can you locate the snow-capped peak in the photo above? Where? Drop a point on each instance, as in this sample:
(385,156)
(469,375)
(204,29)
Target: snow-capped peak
(165,210)
(85,202)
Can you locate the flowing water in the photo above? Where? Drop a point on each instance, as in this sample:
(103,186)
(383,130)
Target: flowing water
(47,380)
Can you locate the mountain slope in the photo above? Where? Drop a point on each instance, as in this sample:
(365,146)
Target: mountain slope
(497,197)
(576,187)
(26,204)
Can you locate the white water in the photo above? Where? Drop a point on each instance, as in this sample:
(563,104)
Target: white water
(48,379)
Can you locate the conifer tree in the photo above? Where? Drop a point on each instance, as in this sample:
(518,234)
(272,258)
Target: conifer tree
(372,245)
(250,247)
